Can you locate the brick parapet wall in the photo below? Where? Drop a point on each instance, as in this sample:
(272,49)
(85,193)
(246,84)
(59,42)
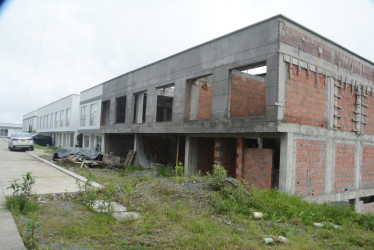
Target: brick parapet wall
(367,167)
(307,44)
(258,167)
(310,169)
(248,95)
(344,178)
(306,101)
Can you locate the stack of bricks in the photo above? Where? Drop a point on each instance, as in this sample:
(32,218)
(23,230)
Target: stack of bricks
(225,154)
(347,102)
(248,95)
(205,102)
(367,168)
(344,167)
(258,167)
(310,167)
(306,101)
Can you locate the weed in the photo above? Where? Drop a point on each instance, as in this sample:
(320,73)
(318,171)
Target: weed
(165,171)
(179,172)
(179,169)
(129,169)
(87,191)
(128,191)
(21,199)
(217,178)
(31,241)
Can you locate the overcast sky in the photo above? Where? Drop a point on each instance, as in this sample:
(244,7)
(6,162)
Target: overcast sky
(53,48)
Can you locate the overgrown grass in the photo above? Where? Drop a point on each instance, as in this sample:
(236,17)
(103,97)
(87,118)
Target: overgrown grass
(178,214)
(50,149)
(280,206)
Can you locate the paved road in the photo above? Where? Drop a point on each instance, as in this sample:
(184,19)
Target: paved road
(14,164)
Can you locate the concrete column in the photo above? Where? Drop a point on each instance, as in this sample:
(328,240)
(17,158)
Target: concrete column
(139,149)
(330,164)
(75,138)
(358,164)
(102,145)
(92,141)
(139,108)
(331,102)
(282,88)
(287,164)
(194,102)
(190,155)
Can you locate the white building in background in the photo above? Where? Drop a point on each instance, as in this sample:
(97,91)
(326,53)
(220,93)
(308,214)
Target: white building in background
(7,129)
(30,121)
(90,118)
(60,120)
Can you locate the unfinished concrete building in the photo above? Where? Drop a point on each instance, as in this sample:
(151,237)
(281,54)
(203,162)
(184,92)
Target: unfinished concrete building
(274,103)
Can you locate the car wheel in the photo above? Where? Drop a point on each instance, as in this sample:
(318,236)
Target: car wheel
(11,149)
(32,148)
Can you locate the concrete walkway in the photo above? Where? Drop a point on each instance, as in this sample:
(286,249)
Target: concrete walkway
(49,177)
(15,164)
(9,235)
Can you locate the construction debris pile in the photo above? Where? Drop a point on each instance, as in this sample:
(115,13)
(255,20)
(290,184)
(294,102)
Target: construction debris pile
(91,158)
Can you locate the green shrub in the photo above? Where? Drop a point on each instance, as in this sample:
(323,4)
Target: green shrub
(33,225)
(165,171)
(217,178)
(281,206)
(179,169)
(21,199)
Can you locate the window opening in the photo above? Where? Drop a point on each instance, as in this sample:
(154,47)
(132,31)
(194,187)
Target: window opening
(105,107)
(165,98)
(200,98)
(120,109)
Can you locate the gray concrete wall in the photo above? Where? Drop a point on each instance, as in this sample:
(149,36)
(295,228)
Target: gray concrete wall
(251,45)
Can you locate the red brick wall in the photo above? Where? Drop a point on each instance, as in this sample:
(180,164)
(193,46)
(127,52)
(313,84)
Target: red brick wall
(205,102)
(205,154)
(348,106)
(294,38)
(367,167)
(369,128)
(367,208)
(258,167)
(306,100)
(344,167)
(225,154)
(248,95)
(310,167)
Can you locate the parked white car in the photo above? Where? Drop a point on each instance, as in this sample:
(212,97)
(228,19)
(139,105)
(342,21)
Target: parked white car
(21,141)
